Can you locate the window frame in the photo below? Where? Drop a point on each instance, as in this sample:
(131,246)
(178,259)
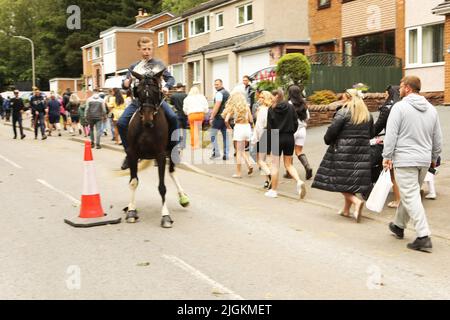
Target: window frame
(419,63)
(207,23)
(94,56)
(194,71)
(110,40)
(323,6)
(162,41)
(217,21)
(88,55)
(245,6)
(171,68)
(170,33)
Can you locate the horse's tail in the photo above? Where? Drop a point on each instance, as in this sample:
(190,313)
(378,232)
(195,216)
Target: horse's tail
(142,165)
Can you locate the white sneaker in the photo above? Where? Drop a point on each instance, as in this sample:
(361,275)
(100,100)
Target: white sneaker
(301,189)
(271,194)
(431,196)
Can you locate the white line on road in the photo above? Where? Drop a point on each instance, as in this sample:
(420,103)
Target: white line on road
(11,162)
(200,275)
(68,196)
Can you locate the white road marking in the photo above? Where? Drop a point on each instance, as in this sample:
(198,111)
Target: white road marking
(203,277)
(68,196)
(11,162)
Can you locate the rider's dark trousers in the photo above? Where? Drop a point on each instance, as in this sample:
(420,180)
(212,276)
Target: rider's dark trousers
(124,120)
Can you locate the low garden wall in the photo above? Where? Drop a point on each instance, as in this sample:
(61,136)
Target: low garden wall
(323,114)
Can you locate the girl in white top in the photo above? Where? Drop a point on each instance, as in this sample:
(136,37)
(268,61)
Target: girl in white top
(237,108)
(195,106)
(259,137)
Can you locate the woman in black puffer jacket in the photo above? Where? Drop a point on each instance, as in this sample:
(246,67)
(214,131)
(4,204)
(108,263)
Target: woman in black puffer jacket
(346,166)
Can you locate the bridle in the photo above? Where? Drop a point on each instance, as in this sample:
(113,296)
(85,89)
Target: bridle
(147,94)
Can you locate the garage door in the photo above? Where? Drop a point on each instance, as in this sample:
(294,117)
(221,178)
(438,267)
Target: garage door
(221,70)
(251,63)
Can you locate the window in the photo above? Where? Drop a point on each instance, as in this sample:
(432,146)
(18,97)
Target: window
(175,33)
(219,21)
(322,4)
(177,71)
(160,38)
(89,57)
(413,47)
(199,26)
(96,52)
(109,44)
(245,14)
(383,42)
(197,78)
(425,44)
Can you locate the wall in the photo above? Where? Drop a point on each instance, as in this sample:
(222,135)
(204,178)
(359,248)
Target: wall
(230,20)
(278,20)
(155,22)
(415,17)
(325,24)
(361,17)
(126,49)
(433,78)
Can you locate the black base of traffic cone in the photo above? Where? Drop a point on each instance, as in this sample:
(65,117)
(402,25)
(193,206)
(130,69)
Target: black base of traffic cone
(78,222)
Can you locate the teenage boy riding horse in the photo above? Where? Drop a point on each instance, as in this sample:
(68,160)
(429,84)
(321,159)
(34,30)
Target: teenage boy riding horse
(148,63)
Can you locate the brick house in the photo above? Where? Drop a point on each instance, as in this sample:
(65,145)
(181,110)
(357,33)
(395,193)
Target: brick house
(442,10)
(171,44)
(232,38)
(106,60)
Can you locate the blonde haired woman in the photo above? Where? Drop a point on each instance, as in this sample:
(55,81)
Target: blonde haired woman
(259,137)
(346,166)
(116,106)
(73,108)
(237,108)
(195,106)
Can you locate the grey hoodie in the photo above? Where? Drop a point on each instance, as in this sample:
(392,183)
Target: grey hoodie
(413,133)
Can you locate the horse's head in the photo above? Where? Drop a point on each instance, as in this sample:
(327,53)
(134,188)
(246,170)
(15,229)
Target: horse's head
(149,95)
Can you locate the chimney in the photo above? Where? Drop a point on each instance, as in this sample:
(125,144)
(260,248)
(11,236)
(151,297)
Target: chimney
(141,15)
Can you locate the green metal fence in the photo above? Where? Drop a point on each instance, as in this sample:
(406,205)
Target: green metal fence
(337,72)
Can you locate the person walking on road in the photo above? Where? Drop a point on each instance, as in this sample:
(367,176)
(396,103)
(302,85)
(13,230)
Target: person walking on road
(177,100)
(117,107)
(17,108)
(95,115)
(393,96)
(83,121)
(54,114)
(38,108)
(259,136)
(195,106)
(217,122)
(295,98)
(237,108)
(412,143)
(282,123)
(346,166)
(73,108)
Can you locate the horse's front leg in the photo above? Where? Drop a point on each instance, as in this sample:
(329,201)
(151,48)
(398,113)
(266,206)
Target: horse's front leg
(166,221)
(132,216)
(182,197)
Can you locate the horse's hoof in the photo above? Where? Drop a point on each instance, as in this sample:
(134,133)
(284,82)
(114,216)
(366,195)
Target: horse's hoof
(132,216)
(166,222)
(184,201)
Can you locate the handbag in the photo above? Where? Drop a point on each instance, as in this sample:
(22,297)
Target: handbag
(380,192)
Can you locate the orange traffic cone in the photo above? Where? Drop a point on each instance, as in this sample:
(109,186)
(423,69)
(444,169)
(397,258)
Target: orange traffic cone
(91,211)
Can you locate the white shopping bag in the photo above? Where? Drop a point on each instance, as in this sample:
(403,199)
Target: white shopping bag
(380,192)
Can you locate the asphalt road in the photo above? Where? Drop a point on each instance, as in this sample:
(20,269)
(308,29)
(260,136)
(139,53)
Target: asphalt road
(231,243)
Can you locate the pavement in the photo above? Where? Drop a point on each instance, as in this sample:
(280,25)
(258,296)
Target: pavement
(231,243)
(198,161)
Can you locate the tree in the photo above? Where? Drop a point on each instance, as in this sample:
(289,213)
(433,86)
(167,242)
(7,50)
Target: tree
(293,68)
(179,6)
